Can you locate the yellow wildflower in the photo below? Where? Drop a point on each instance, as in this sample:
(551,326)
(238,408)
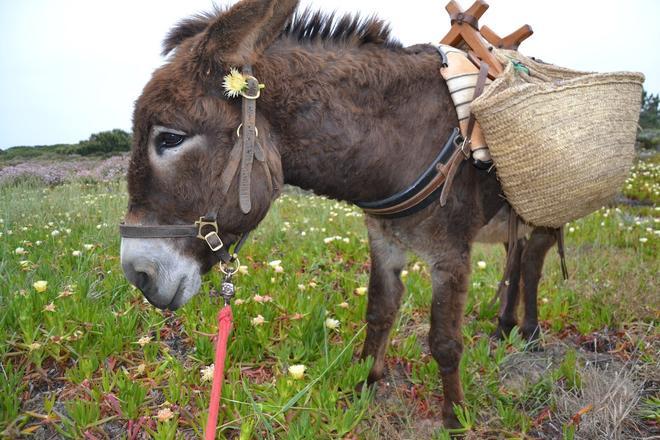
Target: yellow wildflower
(234,83)
(40,286)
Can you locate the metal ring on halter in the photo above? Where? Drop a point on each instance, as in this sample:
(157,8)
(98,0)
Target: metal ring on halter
(238,130)
(258,94)
(230,272)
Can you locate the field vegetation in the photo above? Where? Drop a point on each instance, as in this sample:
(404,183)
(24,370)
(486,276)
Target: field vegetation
(105,143)
(82,355)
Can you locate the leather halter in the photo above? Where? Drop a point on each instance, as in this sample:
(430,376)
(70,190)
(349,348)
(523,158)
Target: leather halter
(437,179)
(246,149)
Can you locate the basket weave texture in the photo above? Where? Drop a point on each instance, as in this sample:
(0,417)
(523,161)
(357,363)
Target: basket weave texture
(562,141)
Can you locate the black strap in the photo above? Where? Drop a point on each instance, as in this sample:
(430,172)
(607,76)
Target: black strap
(559,233)
(418,186)
(158,231)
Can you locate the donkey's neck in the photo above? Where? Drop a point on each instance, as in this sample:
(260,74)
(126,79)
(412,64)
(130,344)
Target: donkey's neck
(355,123)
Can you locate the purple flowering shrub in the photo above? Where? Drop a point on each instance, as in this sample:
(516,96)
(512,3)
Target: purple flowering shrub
(58,172)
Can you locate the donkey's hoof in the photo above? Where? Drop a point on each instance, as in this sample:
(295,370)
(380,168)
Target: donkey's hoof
(364,386)
(502,331)
(531,333)
(450,422)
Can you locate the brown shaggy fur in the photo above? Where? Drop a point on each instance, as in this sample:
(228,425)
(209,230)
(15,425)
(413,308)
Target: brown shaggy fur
(354,116)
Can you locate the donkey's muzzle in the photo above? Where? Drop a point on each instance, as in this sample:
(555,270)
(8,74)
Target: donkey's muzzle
(144,278)
(166,278)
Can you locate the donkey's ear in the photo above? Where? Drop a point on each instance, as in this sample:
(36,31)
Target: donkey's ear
(239,36)
(188,28)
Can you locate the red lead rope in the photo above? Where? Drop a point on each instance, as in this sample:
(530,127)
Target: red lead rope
(225,319)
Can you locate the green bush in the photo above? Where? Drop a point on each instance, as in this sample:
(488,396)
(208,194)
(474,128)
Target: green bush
(114,141)
(103,143)
(649,139)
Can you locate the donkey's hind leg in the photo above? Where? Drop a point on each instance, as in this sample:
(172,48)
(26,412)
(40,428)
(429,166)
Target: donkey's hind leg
(509,294)
(449,274)
(385,290)
(540,241)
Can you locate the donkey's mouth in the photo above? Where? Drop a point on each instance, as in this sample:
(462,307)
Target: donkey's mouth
(178,294)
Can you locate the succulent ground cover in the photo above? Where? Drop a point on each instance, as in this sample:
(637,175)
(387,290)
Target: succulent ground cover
(83,356)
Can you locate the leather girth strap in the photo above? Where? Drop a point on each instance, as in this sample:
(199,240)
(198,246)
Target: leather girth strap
(420,194)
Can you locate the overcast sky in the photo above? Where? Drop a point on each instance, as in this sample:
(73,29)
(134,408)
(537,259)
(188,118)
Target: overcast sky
(69,68)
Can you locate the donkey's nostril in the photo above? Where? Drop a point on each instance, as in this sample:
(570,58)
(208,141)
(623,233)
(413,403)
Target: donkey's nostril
(141,281)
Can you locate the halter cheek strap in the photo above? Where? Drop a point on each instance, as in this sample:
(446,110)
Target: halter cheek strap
(248,147)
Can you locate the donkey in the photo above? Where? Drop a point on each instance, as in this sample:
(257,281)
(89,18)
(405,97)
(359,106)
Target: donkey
(347,112)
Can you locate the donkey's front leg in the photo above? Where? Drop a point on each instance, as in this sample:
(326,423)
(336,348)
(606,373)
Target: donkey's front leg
(385,290)
(450,277)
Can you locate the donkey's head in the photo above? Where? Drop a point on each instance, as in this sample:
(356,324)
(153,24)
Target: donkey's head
(184,129)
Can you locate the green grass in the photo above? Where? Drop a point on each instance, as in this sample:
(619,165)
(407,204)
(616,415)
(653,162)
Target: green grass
(88,355)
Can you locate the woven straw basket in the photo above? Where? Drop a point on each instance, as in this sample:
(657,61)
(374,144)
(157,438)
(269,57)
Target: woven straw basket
(562,141)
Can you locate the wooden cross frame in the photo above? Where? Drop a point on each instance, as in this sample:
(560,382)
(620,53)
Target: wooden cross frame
(465,29)
(511,41)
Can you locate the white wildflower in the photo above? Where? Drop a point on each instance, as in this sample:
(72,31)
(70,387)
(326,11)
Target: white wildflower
(297,371)
(207,373)
(332,324)
(144,340)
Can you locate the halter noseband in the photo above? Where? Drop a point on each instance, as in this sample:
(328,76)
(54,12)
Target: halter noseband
(246,149)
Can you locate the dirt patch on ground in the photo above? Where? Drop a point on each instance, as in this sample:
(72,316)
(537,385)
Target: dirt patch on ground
(405,411)
(615,383)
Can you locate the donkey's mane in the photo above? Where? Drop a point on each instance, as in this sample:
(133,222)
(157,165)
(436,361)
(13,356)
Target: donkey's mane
(347,30)
(305,27)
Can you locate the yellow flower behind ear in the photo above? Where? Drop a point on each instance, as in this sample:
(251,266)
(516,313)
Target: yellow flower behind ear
(234,83)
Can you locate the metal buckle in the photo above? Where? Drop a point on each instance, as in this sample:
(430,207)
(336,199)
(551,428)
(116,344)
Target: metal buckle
(462,145)
(212,238)
(216,238)
(201,223)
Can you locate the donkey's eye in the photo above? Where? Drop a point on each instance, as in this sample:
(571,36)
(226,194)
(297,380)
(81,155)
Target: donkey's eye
(169,140)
